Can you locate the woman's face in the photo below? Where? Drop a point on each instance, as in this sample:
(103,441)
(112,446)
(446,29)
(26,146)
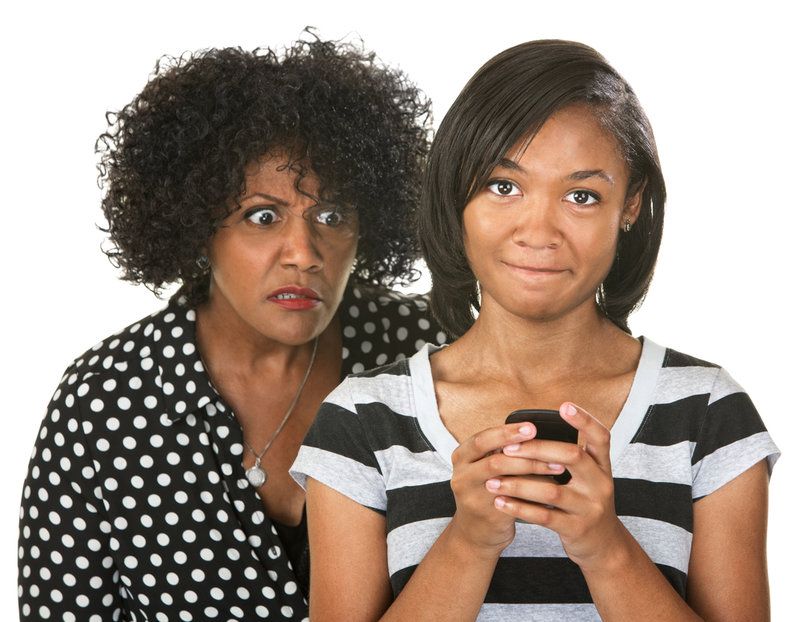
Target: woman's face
(280,261)
(541,236)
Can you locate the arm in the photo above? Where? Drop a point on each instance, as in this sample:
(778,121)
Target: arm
(349,574)
(65,564)
(730,582)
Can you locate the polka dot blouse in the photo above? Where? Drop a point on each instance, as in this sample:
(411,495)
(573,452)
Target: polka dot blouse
(136,505)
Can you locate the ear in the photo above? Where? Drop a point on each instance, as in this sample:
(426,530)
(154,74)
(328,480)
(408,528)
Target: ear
(633,205)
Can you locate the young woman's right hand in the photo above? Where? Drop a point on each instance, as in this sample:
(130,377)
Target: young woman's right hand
(476,464)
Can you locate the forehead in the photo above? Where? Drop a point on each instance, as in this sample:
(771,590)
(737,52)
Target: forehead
(571,139)
(280,173)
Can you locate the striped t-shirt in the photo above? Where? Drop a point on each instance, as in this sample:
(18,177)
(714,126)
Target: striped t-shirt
(685,430)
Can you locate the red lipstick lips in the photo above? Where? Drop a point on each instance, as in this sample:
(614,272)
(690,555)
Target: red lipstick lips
(293,298)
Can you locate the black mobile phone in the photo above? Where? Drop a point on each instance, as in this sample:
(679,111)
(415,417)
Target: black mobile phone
(549,427)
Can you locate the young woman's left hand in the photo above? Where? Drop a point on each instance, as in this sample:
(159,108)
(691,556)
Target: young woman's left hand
(581,511)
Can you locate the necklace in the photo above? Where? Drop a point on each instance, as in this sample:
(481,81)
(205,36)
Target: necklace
(256,475)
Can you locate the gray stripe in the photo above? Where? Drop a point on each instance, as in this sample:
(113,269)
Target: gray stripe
(403,467)
(387,389)
(361,483)
(492,612)
(656,463)
(678,383)
(663,542)
(726,463)
(409,544)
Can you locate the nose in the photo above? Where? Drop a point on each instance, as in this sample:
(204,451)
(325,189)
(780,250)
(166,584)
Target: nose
(537,225)
(299,246)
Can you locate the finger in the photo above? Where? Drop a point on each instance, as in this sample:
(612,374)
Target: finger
(541,490)
(533,513)
(493,439)
(498,466)
(596,437)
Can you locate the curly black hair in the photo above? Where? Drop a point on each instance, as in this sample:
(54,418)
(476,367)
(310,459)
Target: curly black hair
(173,160)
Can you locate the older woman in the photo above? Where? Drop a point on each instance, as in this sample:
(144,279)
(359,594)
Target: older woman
(278,191)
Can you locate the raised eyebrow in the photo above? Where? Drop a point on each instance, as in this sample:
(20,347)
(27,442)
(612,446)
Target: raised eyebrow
(579,175)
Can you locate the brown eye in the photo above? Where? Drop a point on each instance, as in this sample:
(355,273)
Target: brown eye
(583,197)
(261,216)
(503,187)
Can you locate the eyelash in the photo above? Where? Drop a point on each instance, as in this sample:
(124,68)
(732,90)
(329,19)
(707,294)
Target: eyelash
(342,214)
(495,182)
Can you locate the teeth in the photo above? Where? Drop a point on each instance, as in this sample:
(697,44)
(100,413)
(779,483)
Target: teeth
(288,296)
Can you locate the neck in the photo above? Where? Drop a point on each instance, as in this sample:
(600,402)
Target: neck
(515,349)
(230,345)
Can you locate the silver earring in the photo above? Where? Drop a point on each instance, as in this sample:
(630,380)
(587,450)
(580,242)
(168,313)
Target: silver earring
(627,225)
(203,263)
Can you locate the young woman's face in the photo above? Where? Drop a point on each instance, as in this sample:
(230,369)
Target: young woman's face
(280,261)
(541,236)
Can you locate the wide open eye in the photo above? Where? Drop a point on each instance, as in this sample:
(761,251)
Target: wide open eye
(330,217)
(261,216)
(503,188)
(582,197)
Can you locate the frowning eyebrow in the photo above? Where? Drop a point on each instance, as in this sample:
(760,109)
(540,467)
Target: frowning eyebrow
(268,197)
(576,176)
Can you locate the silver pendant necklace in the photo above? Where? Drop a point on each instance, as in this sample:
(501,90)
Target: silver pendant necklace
(256,474)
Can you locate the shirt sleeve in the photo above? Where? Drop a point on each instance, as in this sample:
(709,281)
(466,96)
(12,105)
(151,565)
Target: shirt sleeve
(66,570)
(336,452)
(731,440)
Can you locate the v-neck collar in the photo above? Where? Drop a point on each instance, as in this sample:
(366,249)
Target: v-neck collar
(622,432)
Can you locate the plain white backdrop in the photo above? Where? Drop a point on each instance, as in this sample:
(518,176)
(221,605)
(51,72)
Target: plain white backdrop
(718,81)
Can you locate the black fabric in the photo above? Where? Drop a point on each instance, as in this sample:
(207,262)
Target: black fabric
(136,504)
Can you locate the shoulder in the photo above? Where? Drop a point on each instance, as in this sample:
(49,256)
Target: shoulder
(693,376)
(380,326)
(126,371)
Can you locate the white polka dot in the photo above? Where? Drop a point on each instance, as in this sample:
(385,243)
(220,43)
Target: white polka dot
(150,402)
(96,405)
(262,611)
(123,403)
(290,587)
(287,611)
(349,332)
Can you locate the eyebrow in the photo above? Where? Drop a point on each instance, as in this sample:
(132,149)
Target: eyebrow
(268,197)
(576,176)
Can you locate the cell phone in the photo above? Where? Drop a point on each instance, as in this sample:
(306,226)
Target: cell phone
(549,427)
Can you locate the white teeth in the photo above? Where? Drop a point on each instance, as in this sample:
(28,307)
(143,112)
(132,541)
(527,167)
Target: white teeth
(287,296)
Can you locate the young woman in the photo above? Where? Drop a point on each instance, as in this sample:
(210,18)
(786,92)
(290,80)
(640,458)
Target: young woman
(543,209)
(279,191)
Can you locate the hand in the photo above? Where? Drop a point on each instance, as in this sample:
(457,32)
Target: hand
(582,511)
(477,464)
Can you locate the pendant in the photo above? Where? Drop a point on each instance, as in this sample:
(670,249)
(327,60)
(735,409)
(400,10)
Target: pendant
(256,475)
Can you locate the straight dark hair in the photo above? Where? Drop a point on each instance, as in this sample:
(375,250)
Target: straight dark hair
(508,99)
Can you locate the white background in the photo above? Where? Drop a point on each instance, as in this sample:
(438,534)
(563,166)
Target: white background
(718,80)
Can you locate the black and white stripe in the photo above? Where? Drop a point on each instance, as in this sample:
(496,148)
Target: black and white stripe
(685,430)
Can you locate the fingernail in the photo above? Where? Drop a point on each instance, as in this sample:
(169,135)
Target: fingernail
(499,502)
(511,448)
(556,467)
(526,430)
(570,410)
(493,484)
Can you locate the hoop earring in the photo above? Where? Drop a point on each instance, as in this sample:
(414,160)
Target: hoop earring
(203,263)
